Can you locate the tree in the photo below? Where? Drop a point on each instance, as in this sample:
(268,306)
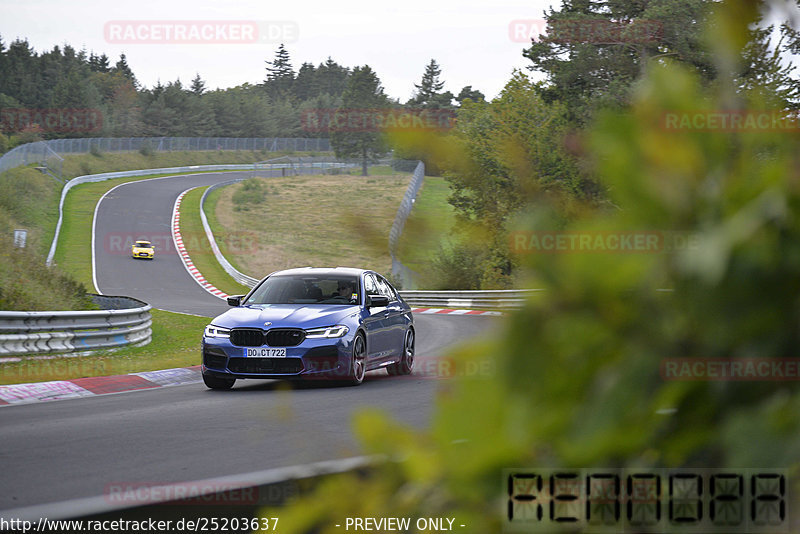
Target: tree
(198,86)
(280,75)
(124,114)
(469,92)
(330,79)
(363,140)
(305,82)
(764,66)
(98,63)
(122,67)
(594,52)
(511,153)
(429,93)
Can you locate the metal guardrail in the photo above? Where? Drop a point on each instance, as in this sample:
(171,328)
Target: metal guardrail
(400,271)
(486,299)
(122,321)
(46,152)
(240,277)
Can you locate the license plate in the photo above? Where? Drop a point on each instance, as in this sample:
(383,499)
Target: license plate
(264,352)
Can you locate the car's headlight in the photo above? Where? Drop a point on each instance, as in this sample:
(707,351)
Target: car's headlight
(216,331)
(327,332)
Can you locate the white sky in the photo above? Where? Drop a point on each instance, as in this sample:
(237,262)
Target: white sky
(468,38)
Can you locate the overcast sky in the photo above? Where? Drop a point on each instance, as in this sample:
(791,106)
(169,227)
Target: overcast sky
(469,38)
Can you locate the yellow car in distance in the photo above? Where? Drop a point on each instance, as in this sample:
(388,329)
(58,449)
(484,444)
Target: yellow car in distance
(142,250)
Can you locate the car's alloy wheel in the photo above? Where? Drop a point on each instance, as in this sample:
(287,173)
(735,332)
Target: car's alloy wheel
(358,365)
(213,382)
(406,364)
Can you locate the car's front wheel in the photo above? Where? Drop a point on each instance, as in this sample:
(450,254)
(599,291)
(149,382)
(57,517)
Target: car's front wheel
(406,364)
(358,363)
(212,382)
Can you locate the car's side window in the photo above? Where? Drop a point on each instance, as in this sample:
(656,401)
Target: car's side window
(386,289)
(370,286)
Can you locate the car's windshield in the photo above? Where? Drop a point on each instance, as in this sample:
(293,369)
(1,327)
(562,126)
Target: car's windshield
(307,289)
(143,244)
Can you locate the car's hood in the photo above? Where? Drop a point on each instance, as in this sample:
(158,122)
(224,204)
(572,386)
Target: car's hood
(285,315)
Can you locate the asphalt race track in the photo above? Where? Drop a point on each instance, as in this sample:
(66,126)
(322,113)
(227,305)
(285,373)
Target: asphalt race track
(143,210)
(64,450)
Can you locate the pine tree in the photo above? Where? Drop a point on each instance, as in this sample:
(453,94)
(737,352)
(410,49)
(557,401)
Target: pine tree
(280,75)
(428,92)
(593,52)
(468,92)
(122,67)
(198,86)
(330,79)
(363,92)
(305,81)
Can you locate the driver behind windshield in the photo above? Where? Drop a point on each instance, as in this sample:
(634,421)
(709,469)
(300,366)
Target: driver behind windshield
(346,291)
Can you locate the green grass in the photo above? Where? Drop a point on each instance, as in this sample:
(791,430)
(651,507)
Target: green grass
(428,225)
(199,248)
(330,220)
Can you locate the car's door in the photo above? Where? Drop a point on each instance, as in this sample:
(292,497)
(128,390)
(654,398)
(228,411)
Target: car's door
(375,322)
(395,321)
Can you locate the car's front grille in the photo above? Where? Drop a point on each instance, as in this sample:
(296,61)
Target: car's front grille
(265,365)
(214,358)
(285,337)
(247,337)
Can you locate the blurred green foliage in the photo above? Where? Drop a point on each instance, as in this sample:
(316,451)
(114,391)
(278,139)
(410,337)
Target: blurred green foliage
(577,379)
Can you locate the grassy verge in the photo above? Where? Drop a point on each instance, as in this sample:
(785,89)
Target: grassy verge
(428,226)
(175,344)
(199,248)
(338,220)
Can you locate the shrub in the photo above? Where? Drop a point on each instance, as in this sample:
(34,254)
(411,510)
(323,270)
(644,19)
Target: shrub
(146,149)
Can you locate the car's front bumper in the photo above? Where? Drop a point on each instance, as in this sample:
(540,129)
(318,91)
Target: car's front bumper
(323,358)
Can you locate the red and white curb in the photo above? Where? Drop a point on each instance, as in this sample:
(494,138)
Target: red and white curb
(181,248)
(15,394)
(453,311)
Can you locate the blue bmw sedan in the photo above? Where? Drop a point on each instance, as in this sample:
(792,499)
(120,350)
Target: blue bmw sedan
(308,323)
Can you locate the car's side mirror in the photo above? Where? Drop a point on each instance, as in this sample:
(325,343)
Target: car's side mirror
(235,300)
(377,301)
